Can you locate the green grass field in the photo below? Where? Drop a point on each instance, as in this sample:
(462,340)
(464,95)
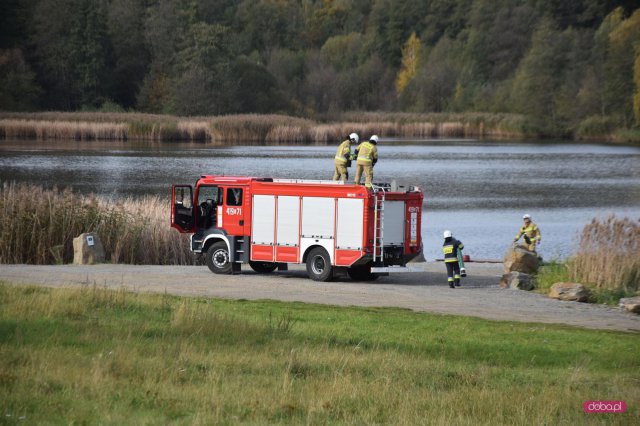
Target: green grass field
(97,356)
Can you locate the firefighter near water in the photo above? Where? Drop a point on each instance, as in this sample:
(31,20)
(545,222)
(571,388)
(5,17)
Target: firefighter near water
(329,226)
(530,232)
(452,250)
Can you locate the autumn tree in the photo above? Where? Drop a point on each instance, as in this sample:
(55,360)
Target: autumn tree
(624,40)
(636,78)
(410,63)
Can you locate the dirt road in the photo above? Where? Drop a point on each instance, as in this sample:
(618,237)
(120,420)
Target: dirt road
(480,295)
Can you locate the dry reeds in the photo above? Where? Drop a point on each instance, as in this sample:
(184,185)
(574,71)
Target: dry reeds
(75,130)
(609,254)
(255,128)
(195,131)
(38,226)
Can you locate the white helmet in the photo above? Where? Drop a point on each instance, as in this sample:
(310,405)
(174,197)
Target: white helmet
(374,139)
(447,234)
(353,137)
(526,216)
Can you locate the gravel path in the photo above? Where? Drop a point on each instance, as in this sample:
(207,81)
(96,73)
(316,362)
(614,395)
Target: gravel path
(480,295)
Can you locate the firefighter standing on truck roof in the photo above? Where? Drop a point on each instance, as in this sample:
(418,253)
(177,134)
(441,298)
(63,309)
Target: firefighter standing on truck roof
(367,158)
(450,249)
(531,233)
(343,158)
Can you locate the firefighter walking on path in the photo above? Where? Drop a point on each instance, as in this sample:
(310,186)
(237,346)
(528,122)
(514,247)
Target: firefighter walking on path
(450,249)
(367,153)
(343,158)
(530,232)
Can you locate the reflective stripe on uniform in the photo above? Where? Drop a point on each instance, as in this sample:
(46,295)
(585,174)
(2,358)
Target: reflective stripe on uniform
(531,231)
(450,250)
(343,150)
(364,152)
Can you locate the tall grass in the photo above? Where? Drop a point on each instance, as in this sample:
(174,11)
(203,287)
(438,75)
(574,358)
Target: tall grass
(608,255)
(258,128)
(607,260)
(38,226)
(89,355)
(77,130)
(551,273)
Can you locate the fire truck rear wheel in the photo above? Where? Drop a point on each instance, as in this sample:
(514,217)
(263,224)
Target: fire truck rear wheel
(319,265)
(263,267)
(218,259)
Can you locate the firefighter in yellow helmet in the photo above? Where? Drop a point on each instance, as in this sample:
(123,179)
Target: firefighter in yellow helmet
(367,153)
(342,161)
(531,233)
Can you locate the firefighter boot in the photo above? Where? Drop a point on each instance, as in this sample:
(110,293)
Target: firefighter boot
(463,272)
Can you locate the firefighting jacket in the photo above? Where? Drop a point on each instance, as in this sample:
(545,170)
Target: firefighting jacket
(344,152)
(531,232)
(367,152)
(450,249)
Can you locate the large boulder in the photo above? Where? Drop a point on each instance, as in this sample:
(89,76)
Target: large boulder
(87,249)
(517,281)
(519,259)
(631,304)
(574,292)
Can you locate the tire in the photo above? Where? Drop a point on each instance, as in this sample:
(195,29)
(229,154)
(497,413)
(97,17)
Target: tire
(263,267)
(217,258)
(319,265)
(362,273)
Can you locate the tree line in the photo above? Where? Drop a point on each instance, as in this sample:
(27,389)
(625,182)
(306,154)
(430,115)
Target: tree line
(564,63)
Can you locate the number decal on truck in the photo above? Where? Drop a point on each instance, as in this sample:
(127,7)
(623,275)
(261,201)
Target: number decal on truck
(414,227)
(234,211)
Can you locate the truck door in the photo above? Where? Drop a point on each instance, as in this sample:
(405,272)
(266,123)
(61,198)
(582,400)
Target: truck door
(182,208)
(233,211)
(209,199)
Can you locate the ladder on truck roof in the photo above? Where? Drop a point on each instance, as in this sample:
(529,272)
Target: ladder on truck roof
(379,194)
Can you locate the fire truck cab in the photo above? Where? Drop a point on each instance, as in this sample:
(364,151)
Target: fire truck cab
(269,223)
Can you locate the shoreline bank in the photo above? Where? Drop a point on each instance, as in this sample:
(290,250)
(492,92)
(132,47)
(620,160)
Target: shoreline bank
(273,129)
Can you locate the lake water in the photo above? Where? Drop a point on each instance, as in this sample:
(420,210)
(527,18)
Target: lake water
(479,190)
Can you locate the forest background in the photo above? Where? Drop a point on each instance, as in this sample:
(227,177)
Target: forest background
(569,66)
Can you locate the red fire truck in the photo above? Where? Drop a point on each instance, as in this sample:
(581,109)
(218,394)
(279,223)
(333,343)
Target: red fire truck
(269,223)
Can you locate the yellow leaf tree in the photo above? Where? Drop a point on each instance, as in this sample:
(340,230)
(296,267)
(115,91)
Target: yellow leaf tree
(410,61)
(636,79)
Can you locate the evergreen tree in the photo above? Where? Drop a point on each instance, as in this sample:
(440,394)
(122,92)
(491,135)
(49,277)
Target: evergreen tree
(539,75)
(557,61)
(18,89)
(636,78)
(91,55)
(126,31)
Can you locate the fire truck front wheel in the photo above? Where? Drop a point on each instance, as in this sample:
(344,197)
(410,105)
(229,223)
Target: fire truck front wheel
(319,265)
(217,257)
